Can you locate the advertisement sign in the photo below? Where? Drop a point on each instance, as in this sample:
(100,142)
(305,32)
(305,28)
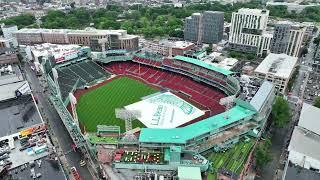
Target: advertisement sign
(59,59)
(66,56)
(33,129)
(70,55)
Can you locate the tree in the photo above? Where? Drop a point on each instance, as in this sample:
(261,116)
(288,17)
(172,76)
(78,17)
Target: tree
(21,20)
(176,33)
(209,49)
(235,54)
(316,40)
(280,112)
(251,56)
(304,51)
(262,154)
(317,102)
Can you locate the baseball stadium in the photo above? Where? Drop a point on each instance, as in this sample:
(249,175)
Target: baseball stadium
(141,111)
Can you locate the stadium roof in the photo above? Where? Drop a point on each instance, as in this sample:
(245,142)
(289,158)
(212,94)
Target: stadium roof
(261,96)
(309,118)
(191,173)
(181,135)
(203,64)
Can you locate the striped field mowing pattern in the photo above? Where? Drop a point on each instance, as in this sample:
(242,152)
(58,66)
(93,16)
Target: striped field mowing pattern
(98,106)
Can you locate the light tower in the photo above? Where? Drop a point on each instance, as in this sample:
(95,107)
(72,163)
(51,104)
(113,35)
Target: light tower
(227,102)
(55,78)
(128,116)
(103,42)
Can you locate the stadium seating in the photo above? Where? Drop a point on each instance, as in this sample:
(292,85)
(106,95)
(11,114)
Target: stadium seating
(85,71)
(198,92)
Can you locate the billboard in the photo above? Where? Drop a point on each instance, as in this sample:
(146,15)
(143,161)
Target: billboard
(59,59)
(33,129)
(70,55)
(165,110)
(66,56)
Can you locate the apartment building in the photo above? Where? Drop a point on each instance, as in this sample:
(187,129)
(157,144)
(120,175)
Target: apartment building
(8,31)
(8,56)
(287,38)
(278,69)
(316,62)
(204,28)
(248,31)
(112,39)
(169,48)
(310,26)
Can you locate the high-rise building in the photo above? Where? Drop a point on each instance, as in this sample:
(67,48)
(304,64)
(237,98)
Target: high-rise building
(287,38)
(248,31)
(204,28)
(191,27)
(8,31)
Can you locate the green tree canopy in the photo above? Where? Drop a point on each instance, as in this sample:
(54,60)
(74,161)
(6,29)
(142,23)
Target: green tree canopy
(21,20)
(151,21)
(317,102)
(262,154)
(280,112)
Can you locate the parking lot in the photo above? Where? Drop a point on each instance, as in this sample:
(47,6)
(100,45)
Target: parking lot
(24,150)
(312,89)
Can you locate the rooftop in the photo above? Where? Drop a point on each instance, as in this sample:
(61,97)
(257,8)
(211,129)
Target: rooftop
(56,49)
(191,173)
(5,50)
(231,160)
(177,44)
(260,97)
(305,142)
(10,74)
(253,11)
(183,134)
(50,170)
(308,118)
(297,173)
(214,12)
(294,25)
(227,63)
(7,91)
(11,79)
(75,31)
(18,114)
(203,64)
(280,65)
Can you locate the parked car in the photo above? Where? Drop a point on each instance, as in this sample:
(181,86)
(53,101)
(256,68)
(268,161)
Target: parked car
(75,173)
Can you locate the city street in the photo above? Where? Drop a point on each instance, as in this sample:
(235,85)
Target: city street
(280,138)
(56,124)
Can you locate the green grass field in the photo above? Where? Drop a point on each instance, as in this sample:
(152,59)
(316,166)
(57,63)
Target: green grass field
(233,159)
(98,106)
(95,139)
